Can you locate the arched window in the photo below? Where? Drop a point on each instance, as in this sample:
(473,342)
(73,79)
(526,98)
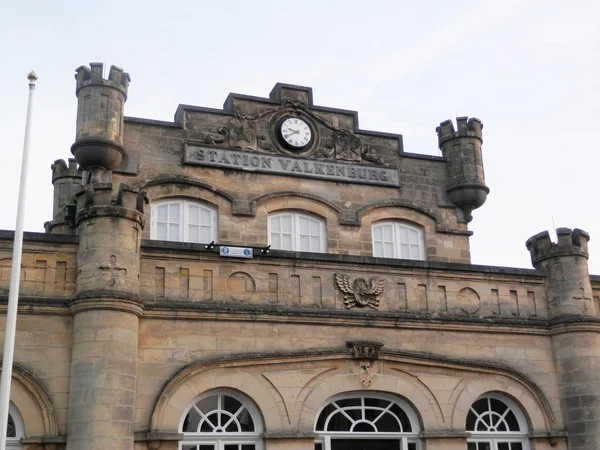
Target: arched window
(297,231)
(15,430)
(496,423)
(221,420)
(393,239)
(183,221)
(369,421)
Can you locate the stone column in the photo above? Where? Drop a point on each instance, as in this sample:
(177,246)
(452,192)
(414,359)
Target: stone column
(575,331)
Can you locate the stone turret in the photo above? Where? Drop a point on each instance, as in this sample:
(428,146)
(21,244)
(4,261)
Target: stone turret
(462,149)
(106,306)
(573,330)
(98,146)
(565,263)
(66,181)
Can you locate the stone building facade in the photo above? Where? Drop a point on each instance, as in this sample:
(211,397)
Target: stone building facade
(270,276)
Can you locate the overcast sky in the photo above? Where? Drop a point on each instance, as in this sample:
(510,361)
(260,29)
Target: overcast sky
(530,70)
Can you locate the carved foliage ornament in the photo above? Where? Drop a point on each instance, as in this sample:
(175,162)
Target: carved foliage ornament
(359,292)
(246,131)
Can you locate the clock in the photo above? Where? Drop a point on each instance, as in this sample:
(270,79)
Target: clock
(295,133)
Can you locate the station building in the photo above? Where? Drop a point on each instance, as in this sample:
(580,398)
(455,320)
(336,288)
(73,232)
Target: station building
(270,276)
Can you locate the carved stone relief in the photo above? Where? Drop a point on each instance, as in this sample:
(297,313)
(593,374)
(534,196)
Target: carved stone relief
(359,292)
(256,132)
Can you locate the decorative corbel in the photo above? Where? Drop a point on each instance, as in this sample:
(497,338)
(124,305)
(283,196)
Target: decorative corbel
(365,352)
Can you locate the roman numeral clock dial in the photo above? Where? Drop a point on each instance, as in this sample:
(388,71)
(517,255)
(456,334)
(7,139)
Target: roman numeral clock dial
(295,133)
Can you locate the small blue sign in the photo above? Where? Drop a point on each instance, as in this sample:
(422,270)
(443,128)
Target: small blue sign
(236,252)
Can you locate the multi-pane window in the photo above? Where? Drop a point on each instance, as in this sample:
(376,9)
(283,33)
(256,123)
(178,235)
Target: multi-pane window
(15,429)
(367,422)
(296,231)
(397,240)
(221,421)
(495,423)
(183,221)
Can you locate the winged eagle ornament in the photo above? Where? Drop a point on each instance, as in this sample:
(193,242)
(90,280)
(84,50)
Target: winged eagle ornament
(359,292)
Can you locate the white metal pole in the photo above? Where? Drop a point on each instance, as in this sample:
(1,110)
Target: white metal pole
(15,276)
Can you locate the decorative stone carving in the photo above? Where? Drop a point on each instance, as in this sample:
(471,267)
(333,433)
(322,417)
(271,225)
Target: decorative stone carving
(347,146)
(358,292)
(366,352)
(219,137)
(369,350)
(242,133)
(255,132)
(114,271)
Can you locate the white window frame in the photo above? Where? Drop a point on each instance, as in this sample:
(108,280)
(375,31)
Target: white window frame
(397,242)
(14,443)
(325,437)
(495,438)
(184,219)
(296,216)
(220,439)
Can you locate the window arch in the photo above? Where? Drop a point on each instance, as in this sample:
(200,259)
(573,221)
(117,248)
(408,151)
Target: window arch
(496,423)
(183,221)
(221,420)
(297,231)
(15,430)
(393,239)
(363,421)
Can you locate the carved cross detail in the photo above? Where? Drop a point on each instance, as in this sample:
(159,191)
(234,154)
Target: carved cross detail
(585,299)
(113,270)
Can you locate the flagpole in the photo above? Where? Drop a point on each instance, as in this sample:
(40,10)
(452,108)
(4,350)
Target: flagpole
(15,276)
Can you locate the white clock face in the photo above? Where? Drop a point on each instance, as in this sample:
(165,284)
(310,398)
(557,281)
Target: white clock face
(295,132)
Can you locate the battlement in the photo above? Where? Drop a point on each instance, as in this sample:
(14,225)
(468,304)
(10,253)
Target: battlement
(465,127)
(570,243)
(61,170)
(102,194)
(92,76)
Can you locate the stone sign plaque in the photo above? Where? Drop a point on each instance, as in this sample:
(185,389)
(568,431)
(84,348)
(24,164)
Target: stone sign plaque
(259,162)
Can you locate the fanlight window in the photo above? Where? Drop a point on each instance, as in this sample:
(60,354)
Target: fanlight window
(496,423)
(297,232)
(184,221)
(397,240)
(367,422)
(221,421)
(15,430)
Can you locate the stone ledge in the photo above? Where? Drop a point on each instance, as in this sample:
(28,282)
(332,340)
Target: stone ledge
(59,439)
(169,247)
(9,235)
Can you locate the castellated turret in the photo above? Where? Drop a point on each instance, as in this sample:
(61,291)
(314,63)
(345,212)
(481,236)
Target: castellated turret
(98,146)
(66,180)
(462,149)
(565,263)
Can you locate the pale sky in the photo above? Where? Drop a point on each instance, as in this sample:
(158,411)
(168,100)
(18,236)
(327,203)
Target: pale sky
(530,70)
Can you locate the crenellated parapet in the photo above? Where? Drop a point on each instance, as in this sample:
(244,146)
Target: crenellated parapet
(66,179)
(570,243)
(92,76)
(98,146)
(465,128)
(462,149)
(565,263)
